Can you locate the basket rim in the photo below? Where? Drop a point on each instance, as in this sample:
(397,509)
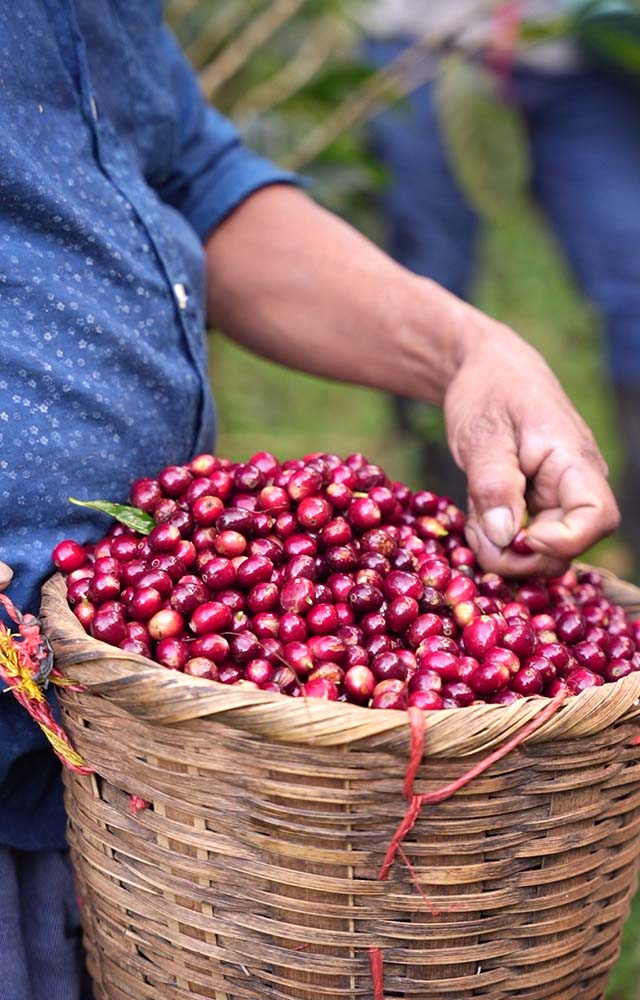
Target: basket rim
(151,692)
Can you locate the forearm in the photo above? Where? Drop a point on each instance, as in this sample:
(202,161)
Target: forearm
(296,284)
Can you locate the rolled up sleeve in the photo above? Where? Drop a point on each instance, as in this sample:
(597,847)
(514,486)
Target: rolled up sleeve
(213,171)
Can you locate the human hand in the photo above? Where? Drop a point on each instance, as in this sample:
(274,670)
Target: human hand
(524,448)
(6,574)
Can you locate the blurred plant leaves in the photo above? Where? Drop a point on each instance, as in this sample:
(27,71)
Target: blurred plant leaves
(485,137)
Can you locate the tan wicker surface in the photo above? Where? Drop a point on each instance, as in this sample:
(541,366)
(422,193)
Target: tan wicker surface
(253,875)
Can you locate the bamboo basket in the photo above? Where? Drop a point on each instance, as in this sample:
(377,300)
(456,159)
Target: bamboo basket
(253,873)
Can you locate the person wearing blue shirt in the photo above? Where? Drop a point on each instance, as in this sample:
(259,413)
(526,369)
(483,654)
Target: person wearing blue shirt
(131,216)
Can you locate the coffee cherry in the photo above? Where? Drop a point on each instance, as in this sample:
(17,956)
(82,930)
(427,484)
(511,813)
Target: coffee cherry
(214,616)
(172,653)
(174,480)
(481,635)
(329,581)
(68,556)
(298,595)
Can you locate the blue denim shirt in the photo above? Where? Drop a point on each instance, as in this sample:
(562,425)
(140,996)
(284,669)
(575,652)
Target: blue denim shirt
(112,171)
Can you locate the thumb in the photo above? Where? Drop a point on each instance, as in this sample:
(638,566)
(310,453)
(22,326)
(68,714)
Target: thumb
(5,575)
(496,486)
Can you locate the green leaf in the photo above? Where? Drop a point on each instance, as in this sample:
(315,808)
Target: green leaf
(485,137)
(134,518)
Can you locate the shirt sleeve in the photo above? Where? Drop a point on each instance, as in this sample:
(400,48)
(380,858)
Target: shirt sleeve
(213,171)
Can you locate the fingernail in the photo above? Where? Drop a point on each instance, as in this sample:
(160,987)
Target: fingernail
(6,573)
(499,525)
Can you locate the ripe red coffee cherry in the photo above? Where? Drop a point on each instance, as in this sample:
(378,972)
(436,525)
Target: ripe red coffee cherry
(298,595)
(260,671)
(435,572)
(85,613)
(175,480)
(214,616)
(254,570)
(460,692)
(219,573)
(504,657)
(145,603)
(165,624)
(359,683)
(590,655)
(199,666)
(124,548)
(388,666)
(304,483)
(461,588)
(326,648)
(571,626)
(300,545)
(489,678)
(188,594)
(172,653)
(400,584)
(364,599)
(616,669)
(145,494)
(428,701)
(424,626)
(292,628)
(104,587)
(402,613)
(520,544)
(364,514)
(580,678)
(212,647)
(206,510)
(104,624)
(314,512)
(320,687)
(534,596)
(442,663)
(230,544)
(390,694)
(244,646)
(322,619)
(164,538)
(527,681)
(69,556)
(481,635)
(425,680)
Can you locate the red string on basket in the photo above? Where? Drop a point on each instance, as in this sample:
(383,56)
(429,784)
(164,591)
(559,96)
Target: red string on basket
(377,972)
(137,804)
(416,802)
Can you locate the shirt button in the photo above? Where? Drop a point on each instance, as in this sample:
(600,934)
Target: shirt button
(180,293)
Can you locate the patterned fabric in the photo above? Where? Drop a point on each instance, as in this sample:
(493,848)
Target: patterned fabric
(112,171)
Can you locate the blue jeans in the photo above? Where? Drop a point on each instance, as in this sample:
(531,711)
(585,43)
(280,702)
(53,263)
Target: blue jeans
(584,134)
(40,939)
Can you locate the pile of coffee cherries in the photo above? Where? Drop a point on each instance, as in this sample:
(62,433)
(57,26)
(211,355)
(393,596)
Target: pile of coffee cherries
(320,578)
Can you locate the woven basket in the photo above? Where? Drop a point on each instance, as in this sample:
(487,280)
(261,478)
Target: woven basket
(253,874)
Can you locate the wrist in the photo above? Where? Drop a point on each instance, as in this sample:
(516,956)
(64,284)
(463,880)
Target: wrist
(438,334)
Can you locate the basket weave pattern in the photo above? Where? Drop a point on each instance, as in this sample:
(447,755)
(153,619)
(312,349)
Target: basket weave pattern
(253,875)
